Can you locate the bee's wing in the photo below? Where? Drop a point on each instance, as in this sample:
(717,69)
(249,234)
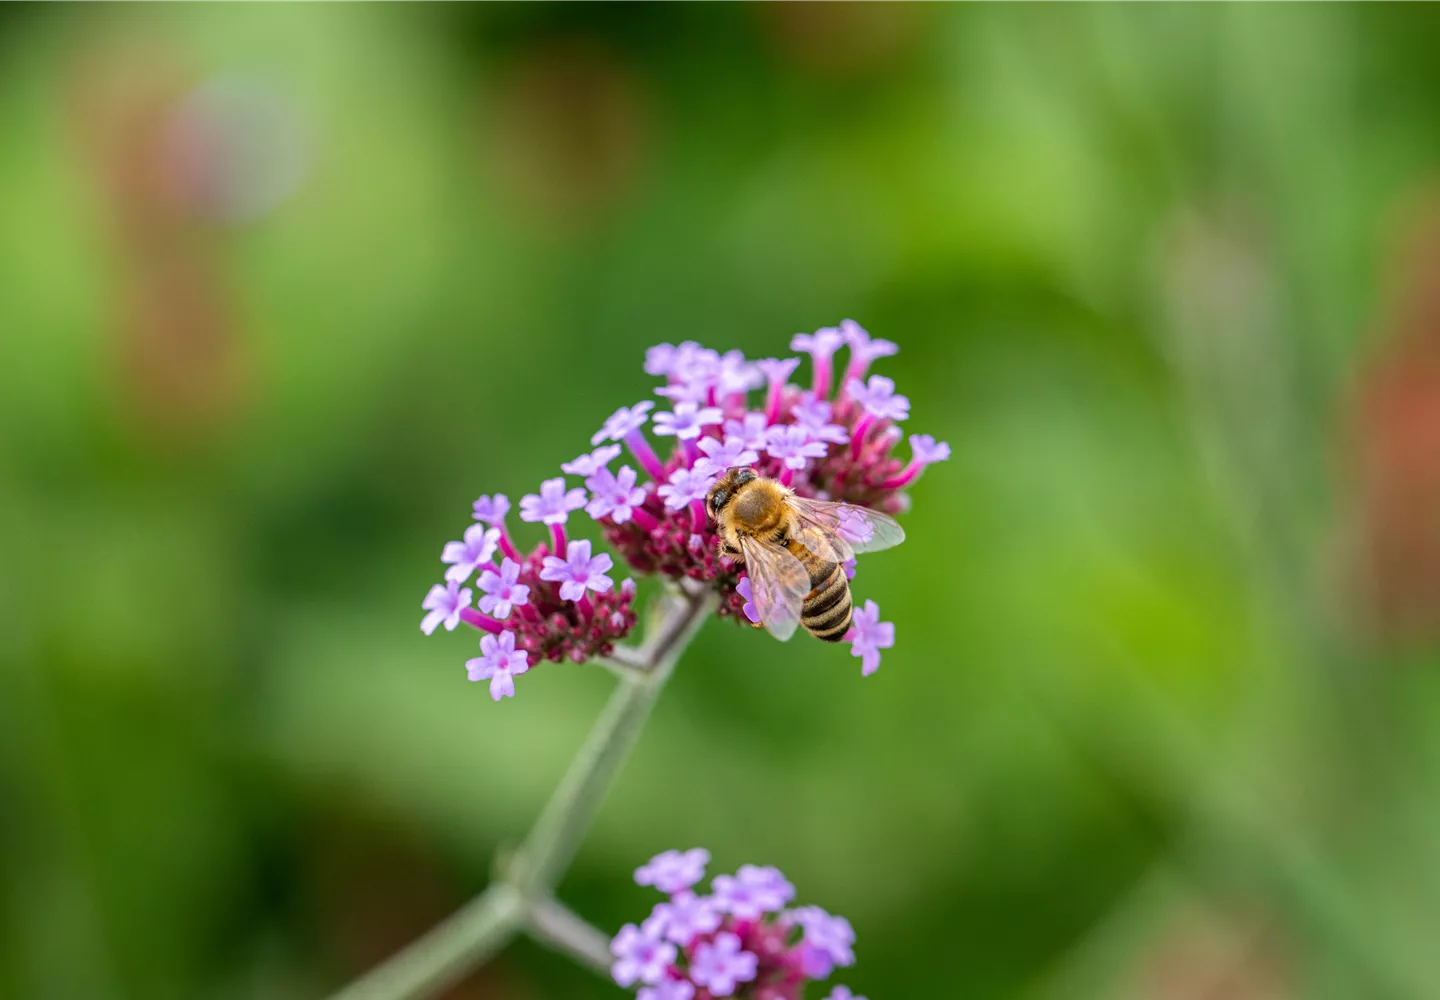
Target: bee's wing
(778,585)
(842,529)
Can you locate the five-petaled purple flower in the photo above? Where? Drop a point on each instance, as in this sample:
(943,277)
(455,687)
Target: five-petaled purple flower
(554,503)
(592,462)
(492,510)
(878,397)
(622,422)
(777,370)
(444,602)
(814,415)
(829,941)
(868,635)
(685,486)
(614,495)
(639,957)
(685,917)
(752,430)
(793,445)
(843,993)
(479,545)
(674,871)
(722,964)
(498,662)
(823,343)
(719,456)
(578,571)
(752,891)
(863,348)
(687,420)
(502,590)
(926,451)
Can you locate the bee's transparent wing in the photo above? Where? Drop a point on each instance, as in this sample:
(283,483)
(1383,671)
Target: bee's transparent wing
(778,585)
(837,531)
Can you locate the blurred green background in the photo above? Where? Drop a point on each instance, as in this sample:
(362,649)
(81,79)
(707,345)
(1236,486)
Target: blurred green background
(282,289)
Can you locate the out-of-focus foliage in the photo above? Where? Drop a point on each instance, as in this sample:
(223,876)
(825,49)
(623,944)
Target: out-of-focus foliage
(283,288)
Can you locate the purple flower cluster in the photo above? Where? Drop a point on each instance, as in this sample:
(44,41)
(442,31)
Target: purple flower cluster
(828,443)
(740,940)
(822,442)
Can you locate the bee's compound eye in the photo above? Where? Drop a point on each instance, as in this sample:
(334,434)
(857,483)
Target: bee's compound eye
(718,499)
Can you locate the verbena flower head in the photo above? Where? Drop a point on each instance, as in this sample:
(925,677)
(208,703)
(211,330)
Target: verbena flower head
(832,437)
(739,941)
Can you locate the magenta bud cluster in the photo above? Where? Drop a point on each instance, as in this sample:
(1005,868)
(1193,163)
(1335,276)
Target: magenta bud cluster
(742,939)
(831,437)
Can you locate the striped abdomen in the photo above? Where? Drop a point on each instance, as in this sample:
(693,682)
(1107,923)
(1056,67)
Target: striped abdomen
(826,613)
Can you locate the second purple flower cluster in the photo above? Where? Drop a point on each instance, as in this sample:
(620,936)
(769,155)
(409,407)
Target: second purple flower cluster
(742,939)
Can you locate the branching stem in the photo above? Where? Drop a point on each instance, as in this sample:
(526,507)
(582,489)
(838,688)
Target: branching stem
(522,899)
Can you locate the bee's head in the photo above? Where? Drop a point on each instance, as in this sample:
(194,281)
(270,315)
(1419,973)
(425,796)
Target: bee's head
(724,489)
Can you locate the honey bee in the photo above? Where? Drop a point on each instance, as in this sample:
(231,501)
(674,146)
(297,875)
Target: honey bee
(794,549)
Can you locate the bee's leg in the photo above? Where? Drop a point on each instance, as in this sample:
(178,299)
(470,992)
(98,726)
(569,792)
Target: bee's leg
(727,551)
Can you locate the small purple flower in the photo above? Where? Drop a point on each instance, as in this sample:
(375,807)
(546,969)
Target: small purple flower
(683,919)
(753,430)
(829,941)
(863,348)
(718,457)
(686,485)
(660,359)
(499,661)
(749,608)
(588,465)
(878,397)
(694,363)
(925,450)
(502,591)
(735,374)
(823,343)
(615,495)
(479,545)
(849,565)
(684,392)
(868,635)
(687,420)
(444,602)
(720,964)
(578,571)
(492,510)
(670,989)
(639,957)
(778,370)
(792,444)
(814,415)
(622,422)
(674,871)
(843,993)
(553,505)
(752,892)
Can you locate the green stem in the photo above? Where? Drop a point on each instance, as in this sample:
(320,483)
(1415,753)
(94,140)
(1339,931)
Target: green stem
(522,900)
